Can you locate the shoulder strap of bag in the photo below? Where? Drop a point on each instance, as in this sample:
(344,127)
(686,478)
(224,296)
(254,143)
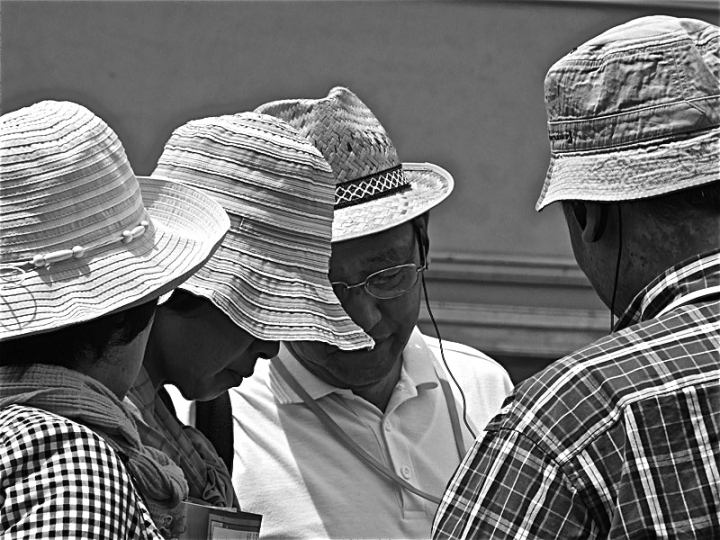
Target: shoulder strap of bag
(330,424)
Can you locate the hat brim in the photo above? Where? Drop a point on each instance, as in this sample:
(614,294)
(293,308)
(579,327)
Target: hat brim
(186,228)
(276,302)
(429,186)
(633,173)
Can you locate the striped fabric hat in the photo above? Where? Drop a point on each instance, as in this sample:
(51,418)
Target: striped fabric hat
(374,191)
(78,240)
(270,276)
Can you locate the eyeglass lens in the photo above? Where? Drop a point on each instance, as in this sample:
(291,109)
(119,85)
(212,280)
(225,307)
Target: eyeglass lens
(387,283)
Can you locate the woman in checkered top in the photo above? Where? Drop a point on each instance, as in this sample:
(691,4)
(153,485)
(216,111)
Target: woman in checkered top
(83,259)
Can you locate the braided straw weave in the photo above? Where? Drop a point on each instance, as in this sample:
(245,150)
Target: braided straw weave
(374,191)
(77,238)
(270,274)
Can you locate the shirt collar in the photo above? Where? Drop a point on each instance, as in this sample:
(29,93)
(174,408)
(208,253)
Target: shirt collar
(416,371)
(691,275)
(417,362)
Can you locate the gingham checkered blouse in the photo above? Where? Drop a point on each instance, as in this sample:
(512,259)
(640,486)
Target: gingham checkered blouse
(618,440)
(58,479)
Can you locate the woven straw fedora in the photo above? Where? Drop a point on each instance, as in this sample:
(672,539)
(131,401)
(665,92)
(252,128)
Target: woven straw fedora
(78,240)
(270,276)
(374,191)
(635,112)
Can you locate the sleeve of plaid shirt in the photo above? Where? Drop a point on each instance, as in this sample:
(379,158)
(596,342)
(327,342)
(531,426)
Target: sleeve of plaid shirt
(59,479)
(507,487)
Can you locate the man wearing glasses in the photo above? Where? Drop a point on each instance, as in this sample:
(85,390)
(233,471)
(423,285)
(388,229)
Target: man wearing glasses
(361,444)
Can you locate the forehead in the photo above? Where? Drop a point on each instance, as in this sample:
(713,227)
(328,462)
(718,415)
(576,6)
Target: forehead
(374,252)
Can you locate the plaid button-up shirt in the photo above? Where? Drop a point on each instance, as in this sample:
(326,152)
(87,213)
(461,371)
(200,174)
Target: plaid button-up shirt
(618,440)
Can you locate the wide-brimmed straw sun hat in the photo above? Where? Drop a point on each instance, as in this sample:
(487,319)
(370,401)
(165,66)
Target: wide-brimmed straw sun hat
(635,112)
(374,191)
(78,240)
(270,276)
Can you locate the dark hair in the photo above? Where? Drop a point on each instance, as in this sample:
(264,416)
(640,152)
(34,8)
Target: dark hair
(84,342)
(687,203)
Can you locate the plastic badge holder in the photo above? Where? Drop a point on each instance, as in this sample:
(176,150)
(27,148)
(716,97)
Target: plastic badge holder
(215,523)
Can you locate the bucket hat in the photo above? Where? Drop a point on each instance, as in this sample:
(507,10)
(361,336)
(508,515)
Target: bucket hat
(635,112)
(374,191)
(80,237)
(270,276)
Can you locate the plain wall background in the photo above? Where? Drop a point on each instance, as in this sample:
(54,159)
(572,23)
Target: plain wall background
(459,84)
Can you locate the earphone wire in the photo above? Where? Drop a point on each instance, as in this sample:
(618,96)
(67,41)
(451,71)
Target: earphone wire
(442,354)
(617,270)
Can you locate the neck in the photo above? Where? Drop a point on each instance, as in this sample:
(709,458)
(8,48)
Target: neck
(118,369)
(379,393)
(651,248)
(153,361)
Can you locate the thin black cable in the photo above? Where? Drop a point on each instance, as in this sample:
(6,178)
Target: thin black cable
(442,354)
(617,269)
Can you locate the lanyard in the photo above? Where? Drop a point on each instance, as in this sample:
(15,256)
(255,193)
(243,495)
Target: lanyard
(332,426)
(686,299)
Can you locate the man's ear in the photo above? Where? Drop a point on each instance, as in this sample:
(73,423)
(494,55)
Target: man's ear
(420,224)
(591,217)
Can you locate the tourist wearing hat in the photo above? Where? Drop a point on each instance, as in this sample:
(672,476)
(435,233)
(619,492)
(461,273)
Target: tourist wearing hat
(85,251)
(331,443)
(266,283)
(620,439)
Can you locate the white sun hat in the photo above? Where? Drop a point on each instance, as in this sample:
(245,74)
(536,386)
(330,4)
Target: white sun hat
(374,191)
(635,112)
(80,237)
(270,276)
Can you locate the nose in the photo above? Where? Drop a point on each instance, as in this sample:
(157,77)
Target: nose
(265,349)
(362,308)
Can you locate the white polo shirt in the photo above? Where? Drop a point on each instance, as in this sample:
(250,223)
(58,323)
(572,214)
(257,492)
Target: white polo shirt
(308,484)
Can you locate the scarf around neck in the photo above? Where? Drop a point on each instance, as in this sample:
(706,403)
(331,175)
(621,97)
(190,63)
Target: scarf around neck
(208,478)
(84,400)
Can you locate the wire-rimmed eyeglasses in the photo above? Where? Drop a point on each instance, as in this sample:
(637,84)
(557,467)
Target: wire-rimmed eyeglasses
(384,284)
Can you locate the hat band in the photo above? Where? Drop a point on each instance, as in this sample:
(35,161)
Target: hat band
(16,273)
(370,187)
(645,126)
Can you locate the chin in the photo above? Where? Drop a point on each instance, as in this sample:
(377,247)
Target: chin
(208,396)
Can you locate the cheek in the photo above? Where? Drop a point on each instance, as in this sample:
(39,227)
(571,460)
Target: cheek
(405,309)
(227,335)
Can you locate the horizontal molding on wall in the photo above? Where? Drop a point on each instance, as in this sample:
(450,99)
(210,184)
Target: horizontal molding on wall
(507,269)
(513,331)
(704,5)
(513,306)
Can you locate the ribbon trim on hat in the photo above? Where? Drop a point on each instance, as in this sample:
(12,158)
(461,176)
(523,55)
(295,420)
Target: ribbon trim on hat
(370,187)
(15,274)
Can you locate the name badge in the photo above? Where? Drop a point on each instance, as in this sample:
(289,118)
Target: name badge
(216,523)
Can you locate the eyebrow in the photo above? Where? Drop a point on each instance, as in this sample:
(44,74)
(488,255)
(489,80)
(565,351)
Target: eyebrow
(394,255)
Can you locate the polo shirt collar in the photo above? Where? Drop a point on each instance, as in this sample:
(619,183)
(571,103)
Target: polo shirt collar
(689,276)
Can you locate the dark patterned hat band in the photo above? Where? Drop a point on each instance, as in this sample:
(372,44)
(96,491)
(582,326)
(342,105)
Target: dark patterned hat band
(368,188)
